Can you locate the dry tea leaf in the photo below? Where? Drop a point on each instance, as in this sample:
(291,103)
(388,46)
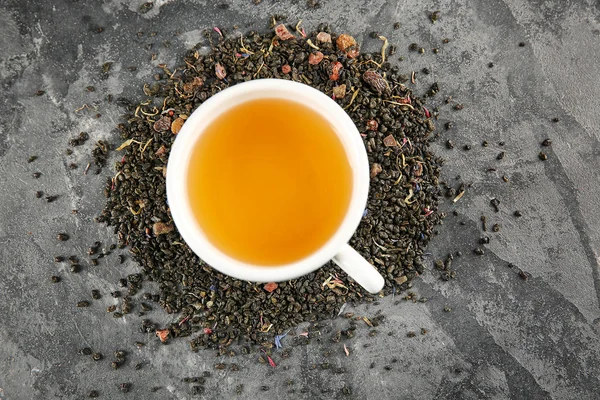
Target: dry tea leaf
(163,124)
(376,81)
(324,37)
(282,32)
(401,279)
(375,170)
(315,58)
(161,228)
(220,71)
(335,69)
(390,141)
(176,125)
(271,286)
(339,92)
(348,45)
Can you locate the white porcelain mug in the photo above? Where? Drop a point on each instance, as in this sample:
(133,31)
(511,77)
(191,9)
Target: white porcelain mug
(336,248)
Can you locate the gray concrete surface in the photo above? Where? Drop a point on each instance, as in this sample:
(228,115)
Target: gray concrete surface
(504,338)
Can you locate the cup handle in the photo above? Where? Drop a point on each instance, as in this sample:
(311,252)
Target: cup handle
(359,269)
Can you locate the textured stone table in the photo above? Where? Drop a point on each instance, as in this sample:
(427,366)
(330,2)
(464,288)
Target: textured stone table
(504,338)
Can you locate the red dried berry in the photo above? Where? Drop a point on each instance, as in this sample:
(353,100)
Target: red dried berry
(348,45)
(315,58)
(282,32)
(335,69)
(372,125)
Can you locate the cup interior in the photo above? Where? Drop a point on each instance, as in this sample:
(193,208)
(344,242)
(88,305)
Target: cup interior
(203,116)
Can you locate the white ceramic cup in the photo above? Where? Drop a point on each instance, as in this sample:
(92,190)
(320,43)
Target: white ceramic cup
(336,248)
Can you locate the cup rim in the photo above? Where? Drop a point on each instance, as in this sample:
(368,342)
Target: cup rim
(176,179)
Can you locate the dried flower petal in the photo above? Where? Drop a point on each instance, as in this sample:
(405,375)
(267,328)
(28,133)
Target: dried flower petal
(282,32)
(390,141)
(346,350)
(163,335)
(271,362)
(160,228)
(271,286)
(348,45)
(335,69)
(278,340)
(163,124)
(176,125)
(324,37)
(220,71)
(125,144)
(315,58)
(339,92)
(161,150)
(375,170)
(376,81)
(286,69)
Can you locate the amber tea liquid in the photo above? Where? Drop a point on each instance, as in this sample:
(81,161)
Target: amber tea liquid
(269,182)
